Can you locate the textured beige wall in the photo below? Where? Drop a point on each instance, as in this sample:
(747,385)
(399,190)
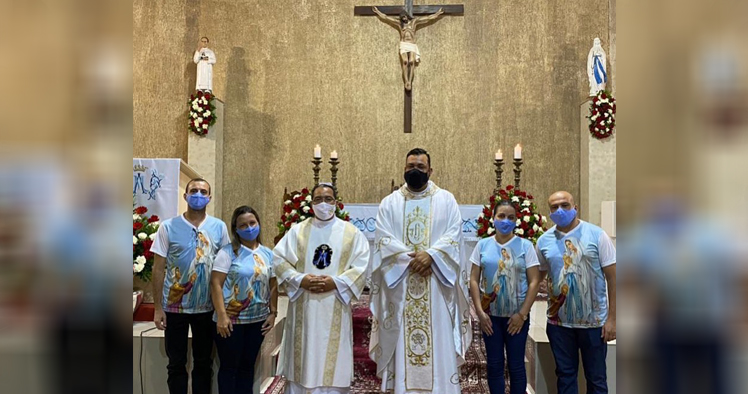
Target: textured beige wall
(298,73)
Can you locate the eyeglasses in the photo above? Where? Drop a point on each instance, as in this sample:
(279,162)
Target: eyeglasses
(326,199)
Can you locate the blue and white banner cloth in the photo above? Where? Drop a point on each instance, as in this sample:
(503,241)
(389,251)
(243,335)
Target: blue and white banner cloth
(364,216)
(155,185)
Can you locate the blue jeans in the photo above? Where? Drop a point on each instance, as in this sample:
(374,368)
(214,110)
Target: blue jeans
(515,354)
(566,344)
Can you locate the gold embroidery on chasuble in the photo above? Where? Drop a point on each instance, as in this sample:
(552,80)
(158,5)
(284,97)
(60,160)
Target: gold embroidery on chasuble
(337,315)
(418,338)
(302,239)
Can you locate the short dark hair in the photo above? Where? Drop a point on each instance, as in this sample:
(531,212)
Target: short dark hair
(418,152)
(205,37)
(325,184)
(504,203)
(193,180)
(235,243)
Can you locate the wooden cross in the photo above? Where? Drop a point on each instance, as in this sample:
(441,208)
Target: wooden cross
(412,12)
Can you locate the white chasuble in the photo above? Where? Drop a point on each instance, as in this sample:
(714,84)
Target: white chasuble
(317,352)
(420,325)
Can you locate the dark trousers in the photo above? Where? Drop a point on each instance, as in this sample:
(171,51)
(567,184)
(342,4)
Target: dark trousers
(177,329)
(237,354)
(566,344)
(515,355)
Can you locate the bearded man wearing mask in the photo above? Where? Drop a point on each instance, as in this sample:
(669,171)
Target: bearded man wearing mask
(321,264)
(418,294)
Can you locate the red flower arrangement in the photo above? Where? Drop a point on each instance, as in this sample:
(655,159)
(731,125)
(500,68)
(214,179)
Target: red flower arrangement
(602,117)
(530,223)
(299,208)
(202,112)
(143,234)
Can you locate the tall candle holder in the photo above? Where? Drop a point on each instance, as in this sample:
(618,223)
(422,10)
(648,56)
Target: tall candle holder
(499,171)
(517,172)
(316,161)
(334,171)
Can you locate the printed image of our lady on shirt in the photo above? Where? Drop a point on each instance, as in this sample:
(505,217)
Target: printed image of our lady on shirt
(578,296)
(189,260)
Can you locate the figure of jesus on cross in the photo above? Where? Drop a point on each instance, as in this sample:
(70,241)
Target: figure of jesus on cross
(406,19)
(409,54)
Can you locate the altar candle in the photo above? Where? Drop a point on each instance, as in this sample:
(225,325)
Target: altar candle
(499,155)
(317,151)
(518,152)
(334,154)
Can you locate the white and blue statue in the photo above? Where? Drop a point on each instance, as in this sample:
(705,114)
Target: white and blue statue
(596,68)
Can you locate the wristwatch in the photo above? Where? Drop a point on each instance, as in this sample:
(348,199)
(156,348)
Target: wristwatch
(523,316)
(274,313)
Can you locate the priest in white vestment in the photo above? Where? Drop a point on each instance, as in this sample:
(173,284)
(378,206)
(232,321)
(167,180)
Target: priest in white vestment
(419,287)
(205,59)
(321,264)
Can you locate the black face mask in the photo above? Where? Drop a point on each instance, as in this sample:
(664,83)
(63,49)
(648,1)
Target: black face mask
(416,179)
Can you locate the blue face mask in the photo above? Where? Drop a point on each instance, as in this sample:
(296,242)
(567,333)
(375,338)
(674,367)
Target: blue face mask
(197,201)
(250,233)
(504,226)
(563,217)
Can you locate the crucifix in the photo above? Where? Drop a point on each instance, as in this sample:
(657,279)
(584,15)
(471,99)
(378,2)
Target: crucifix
(407,21)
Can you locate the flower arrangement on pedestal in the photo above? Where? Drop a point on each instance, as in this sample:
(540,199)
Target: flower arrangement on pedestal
(602,117)
(530,223)
(144,229)
(202,112)
(299,208)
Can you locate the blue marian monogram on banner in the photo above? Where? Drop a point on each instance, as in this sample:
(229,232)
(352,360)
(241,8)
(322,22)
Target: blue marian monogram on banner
(139,175)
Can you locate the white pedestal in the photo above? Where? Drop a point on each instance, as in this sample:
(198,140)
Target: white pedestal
(205,155)
(597,170)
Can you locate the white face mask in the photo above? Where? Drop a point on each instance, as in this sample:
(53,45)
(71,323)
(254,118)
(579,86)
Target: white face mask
(324,211)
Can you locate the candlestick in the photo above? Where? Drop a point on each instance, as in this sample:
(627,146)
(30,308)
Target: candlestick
(317,152)
(518,152)
(517,171)
(498,163)
(334,169)
(316,161)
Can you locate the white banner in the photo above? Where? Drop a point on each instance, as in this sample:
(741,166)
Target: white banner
(155,185)
(364,216)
